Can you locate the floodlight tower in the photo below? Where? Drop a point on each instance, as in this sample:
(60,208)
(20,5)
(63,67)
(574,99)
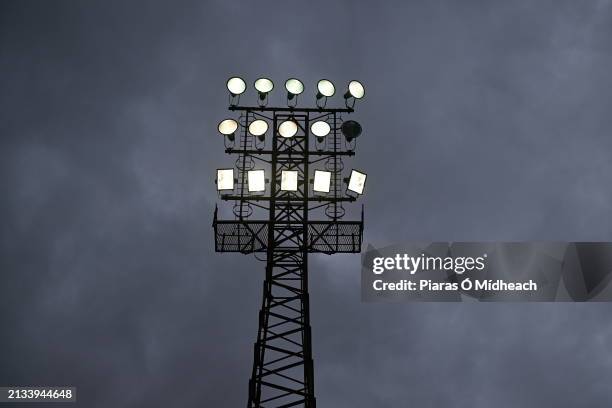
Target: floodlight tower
(304,178)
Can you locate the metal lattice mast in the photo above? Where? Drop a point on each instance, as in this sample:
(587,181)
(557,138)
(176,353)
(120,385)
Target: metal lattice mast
(282,368)
(282,374)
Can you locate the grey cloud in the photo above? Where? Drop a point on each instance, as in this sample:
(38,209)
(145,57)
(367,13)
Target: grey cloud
(483,120)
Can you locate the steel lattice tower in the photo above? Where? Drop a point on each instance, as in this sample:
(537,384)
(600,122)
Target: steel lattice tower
(282,374)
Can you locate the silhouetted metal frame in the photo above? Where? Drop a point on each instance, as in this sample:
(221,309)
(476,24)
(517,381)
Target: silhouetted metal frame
(282,374)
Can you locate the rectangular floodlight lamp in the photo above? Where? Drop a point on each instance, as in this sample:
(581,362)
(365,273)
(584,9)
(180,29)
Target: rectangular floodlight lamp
(289,180)
(322,181)
(225,179)
(357,182)
(256,180)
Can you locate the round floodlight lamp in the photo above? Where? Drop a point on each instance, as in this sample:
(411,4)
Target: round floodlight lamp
(351,130)
(258,127)
(236,85)
(355,90)
(294,87)
(227,127)
(288,128)
(263,86)
(320,128)
(325,88)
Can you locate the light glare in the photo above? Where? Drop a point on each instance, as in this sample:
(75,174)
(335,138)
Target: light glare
(357,182)
(322,181)
(289,180)
(256,180)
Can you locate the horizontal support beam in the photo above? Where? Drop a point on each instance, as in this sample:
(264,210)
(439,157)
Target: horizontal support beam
(290,109)
(281,223)
(227,197)
(290,152)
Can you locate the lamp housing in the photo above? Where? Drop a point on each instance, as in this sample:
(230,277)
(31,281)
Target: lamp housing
(357,181)
(263,86)
(289,180)
(228,127)
(225,179)
(355,90)
(351,130)
(322,181)
(236,86)
(256,181)
(325,88)
(288,128)
(294,87)
(320,128)
(258,128)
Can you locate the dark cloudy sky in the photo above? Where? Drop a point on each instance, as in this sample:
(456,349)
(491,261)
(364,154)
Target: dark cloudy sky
(484,120)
